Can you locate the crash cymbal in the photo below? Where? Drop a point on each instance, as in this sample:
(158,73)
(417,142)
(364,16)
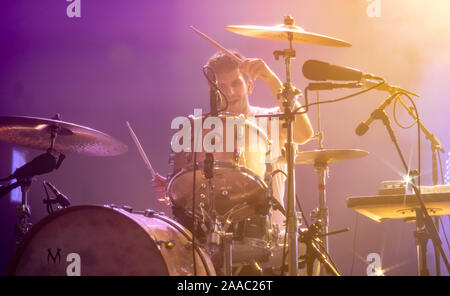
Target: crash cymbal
(35,133)
(324,156)
(281,32)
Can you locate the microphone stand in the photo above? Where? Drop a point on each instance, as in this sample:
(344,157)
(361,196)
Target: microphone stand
(425,227)
(41,164)
(436,147)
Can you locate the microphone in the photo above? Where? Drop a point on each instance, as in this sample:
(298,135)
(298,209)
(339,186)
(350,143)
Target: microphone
(208,166)
(42,164)
(318,70)
(214,98)
(363,127)
(61,199)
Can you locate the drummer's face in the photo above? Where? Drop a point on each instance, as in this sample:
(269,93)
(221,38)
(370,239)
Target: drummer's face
(236,89)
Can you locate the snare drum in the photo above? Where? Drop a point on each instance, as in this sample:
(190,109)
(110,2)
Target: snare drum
(97,240)
(238,175)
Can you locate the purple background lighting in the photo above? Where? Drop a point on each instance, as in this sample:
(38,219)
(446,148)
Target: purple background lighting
(138,61)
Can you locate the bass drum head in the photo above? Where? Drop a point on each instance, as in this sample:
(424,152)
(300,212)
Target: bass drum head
(97,240)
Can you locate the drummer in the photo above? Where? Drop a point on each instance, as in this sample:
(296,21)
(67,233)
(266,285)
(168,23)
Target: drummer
(236,82)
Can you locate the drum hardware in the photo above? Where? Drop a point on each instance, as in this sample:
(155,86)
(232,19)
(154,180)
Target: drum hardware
(291,33)
(315,249)
(41,164)
(60,199)
(219,238)
(56,137)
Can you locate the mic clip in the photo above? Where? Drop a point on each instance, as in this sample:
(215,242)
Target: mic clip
(60,199)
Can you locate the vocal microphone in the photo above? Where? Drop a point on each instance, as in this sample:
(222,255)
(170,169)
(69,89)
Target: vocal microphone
(60,198)
(321,71)
(363,127)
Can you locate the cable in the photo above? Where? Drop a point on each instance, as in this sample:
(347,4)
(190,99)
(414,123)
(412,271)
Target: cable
(395,116)
(418,134)
(306,106)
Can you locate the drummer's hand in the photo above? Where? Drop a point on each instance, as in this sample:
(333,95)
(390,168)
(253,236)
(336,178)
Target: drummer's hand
(159,184)
(258,69)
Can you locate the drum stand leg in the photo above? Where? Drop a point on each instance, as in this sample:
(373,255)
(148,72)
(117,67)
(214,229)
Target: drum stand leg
(23,212)
(322,212)
(421,237)
(227,240)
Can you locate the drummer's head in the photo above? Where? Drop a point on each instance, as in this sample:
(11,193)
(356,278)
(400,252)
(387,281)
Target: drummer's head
(232,82)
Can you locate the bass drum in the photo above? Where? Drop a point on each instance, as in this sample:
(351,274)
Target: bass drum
(104,240)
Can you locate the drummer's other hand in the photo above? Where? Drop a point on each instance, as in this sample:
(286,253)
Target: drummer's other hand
(257,69)
(159,184)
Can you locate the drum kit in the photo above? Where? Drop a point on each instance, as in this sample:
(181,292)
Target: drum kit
(222,201)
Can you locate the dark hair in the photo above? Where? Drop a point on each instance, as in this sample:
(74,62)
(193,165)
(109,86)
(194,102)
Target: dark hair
(220,62)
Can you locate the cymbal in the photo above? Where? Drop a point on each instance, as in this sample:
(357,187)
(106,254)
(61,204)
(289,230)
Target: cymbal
(35,133)
(325,156)
(281,32)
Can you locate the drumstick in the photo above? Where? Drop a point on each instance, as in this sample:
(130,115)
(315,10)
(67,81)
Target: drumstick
(220,47)
(141,151)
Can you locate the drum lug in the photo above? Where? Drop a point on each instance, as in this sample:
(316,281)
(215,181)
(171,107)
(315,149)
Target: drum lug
(168,244)
(127,208)
(149,213)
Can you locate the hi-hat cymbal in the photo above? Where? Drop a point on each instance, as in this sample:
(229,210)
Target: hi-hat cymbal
(281,32)
(325,156)
(35,133)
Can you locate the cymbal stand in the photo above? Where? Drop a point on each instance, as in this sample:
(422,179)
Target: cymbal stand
(321,168)
(321,214)
(41,164)
(287,95)
(219,237)
(23,211)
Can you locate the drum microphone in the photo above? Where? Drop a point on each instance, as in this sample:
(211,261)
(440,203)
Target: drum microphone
(321,71)
(214,97)
(208,166)
(61,199)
